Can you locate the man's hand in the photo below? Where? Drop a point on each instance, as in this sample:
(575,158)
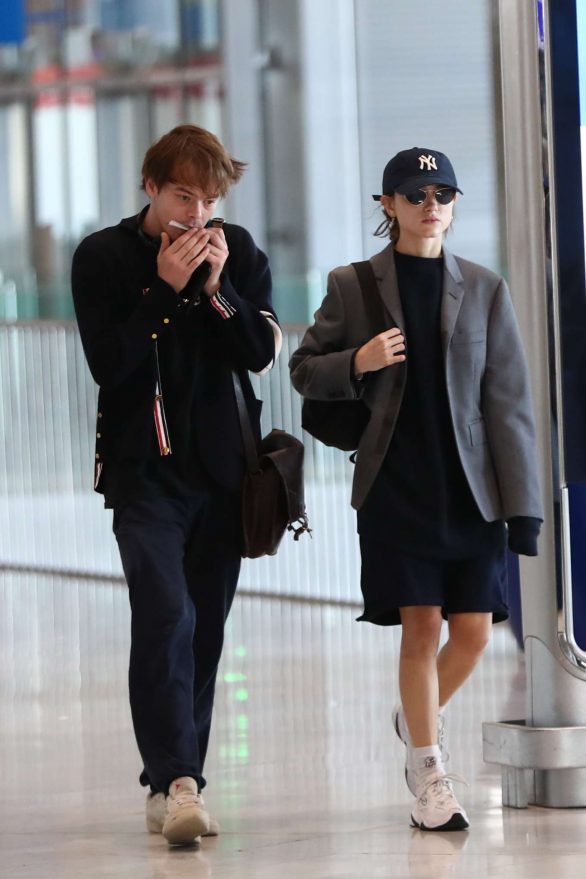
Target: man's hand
(177,260)
(217,256)
(383,350)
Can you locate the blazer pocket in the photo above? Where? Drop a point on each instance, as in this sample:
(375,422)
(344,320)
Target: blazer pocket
(477,432)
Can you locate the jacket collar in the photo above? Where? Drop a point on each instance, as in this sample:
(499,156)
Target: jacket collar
(452,297)
(134,224)
(383,264)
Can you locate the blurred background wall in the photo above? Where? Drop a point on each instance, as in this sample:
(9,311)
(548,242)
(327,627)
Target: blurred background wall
(316,96)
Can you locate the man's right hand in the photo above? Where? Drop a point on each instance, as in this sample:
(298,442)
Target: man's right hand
(383,350)
(177,260)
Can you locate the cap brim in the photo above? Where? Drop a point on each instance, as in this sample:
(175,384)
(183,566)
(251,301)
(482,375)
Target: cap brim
(425,180)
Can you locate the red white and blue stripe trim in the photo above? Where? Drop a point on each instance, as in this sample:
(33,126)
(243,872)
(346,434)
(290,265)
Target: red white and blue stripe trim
(224,308)
(161,423)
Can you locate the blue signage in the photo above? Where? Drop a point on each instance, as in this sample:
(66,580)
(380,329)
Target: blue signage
(12,21)
(581,32)
(540,25)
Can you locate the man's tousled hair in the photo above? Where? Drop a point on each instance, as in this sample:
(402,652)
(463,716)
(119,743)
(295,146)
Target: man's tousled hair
(193,156)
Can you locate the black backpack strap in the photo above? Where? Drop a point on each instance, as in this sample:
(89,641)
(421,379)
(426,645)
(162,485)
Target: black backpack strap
(371,295)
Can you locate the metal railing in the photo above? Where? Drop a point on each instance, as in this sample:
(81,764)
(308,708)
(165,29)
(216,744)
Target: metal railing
(52,520)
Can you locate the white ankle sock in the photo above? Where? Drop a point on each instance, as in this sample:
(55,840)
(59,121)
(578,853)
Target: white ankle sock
(426,761)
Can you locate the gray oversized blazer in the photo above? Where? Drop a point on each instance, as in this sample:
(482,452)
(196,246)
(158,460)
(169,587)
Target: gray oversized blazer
(486,379)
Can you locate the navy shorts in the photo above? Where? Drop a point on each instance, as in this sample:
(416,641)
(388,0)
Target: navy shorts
(391,579)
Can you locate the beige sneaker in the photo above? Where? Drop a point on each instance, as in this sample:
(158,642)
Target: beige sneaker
(214,828)
(156,812)
(186,818)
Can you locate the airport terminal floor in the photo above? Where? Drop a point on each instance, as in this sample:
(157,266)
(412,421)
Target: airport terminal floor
(304,773)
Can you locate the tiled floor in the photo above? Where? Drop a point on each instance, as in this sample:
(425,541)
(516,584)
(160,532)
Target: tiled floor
(305,772)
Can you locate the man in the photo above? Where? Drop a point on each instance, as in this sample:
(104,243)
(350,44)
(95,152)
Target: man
(168,304)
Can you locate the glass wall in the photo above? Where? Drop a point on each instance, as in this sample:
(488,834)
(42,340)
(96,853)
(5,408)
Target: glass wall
(85,86)
(315,96)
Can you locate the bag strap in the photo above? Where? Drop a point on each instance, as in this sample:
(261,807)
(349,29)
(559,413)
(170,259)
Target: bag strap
(376,317)
(298,522)
(250,449)
(371,295)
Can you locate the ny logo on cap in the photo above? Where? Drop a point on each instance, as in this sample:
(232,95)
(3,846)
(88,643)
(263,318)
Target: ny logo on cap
(427,162)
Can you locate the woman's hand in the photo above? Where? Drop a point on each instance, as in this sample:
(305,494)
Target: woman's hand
(383,350)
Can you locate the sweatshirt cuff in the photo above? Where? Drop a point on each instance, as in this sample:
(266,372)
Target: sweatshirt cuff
(223,307)
(225,300)
(358,381)
(523,532)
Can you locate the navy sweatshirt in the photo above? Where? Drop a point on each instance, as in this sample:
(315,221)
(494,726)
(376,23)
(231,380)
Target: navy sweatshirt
(163,361)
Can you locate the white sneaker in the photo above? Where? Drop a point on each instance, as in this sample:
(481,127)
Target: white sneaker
(186,818)
(436,806)
(156,812)
(402,731)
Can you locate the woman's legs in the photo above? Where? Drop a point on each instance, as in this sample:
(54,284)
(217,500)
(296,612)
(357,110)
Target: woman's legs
(469,634)
(427,680)
(418,674)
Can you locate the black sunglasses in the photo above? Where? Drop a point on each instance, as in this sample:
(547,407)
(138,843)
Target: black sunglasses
(446,195)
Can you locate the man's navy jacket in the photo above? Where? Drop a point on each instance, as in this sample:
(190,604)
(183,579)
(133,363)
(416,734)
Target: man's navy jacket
(142,342)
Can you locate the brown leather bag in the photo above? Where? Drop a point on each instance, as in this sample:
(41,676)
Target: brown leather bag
(272,489)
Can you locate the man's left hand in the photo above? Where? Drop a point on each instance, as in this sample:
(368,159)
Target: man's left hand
(216,258)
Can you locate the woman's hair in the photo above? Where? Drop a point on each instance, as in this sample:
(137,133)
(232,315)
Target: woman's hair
(193,156)
(389,227)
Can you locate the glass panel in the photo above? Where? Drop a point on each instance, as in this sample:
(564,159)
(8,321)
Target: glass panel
(565,87)
(15,192)
(123,137)
(85,87)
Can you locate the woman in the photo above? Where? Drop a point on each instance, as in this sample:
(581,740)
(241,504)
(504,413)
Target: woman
(446,467)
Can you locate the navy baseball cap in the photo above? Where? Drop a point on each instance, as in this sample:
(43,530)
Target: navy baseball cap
(417,167)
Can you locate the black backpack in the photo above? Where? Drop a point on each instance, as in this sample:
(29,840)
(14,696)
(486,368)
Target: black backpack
(341,423)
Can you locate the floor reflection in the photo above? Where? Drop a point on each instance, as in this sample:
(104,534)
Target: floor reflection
(305,773)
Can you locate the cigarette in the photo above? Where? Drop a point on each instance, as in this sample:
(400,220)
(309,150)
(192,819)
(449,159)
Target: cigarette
(179,225)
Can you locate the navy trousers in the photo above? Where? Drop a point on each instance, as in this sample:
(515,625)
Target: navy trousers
(181,560)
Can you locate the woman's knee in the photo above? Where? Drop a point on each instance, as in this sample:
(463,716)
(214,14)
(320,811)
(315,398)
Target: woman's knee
(470,633)
(421,631)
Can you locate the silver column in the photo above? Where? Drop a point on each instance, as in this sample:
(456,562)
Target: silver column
(543,758)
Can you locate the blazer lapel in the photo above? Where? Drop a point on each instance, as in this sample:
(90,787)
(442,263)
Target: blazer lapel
(453,294)
(383,264)
(377,392)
